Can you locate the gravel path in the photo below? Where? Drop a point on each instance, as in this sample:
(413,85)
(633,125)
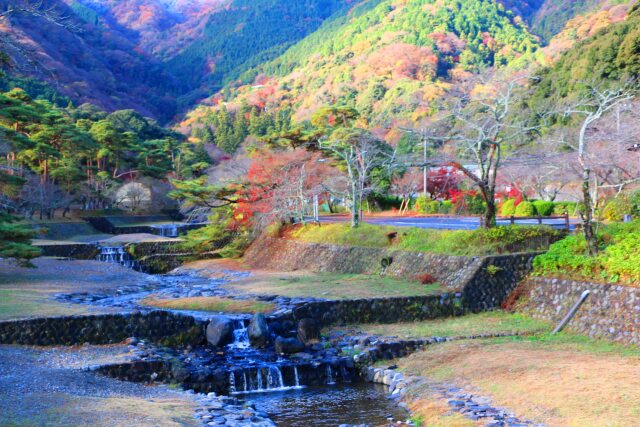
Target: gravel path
(47,387)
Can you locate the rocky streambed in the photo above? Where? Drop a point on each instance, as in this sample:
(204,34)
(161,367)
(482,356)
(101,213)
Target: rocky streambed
(244,370)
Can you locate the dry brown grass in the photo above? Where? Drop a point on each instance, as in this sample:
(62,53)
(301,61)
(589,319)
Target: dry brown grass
(312,284)
(434,412)
(210,304)
(559,385)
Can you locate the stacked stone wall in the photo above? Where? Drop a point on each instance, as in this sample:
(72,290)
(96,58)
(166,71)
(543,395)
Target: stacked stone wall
(610,311)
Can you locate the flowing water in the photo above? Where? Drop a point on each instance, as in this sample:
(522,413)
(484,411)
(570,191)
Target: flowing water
(167,230)
(284,389)
(330,406)
(117,255)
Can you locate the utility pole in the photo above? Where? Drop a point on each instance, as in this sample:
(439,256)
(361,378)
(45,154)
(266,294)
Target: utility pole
(424,160)
(424,138)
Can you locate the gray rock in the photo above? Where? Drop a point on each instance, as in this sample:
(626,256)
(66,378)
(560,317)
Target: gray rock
(288,345)
(220,331)
(258,331)
(308,330)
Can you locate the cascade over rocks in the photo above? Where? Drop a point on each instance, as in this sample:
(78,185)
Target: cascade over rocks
(220,331)
(258,331)
(308,330)
(288,345)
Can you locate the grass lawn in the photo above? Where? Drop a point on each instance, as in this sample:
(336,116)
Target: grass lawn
(330,285)
(561,380)
(451,242)
(472,324)
(29,292)
(24,303)
(210,304)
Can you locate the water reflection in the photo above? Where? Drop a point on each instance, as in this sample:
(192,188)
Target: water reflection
(330,406)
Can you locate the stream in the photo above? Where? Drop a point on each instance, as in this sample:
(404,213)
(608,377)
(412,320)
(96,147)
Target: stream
(357,403)
(316,392)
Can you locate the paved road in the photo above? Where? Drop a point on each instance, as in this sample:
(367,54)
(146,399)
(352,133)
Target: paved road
(449,223)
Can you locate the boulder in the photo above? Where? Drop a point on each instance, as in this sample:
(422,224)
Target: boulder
(220,331)
(288,345)
(308,331)
(258,331)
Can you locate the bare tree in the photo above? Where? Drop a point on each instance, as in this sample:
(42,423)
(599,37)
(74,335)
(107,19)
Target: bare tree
(596,103)
(481,126)
(362,153)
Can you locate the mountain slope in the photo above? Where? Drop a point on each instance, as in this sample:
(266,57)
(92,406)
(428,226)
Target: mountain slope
(246,33)
(611,56)
(88,63)
(393,60)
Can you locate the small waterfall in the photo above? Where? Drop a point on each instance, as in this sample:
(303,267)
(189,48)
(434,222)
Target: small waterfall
(262,379)
(295,374)
(166,230)
(232,382)
(344,374)
(259,378)
(240,335)
(330,380)
(117,255)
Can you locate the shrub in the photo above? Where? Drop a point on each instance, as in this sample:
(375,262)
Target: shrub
(427,279)
(525,209)
(572,208)
(615,209)
(617,261)
(620,260)
(508,208)
(475,204)
(420,206)
(543,208)
(635,203)
(446,207)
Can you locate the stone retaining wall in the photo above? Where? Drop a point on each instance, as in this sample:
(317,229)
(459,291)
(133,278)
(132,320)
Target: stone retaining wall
(483,282)
(611,311)
(157,326)
(70,250)
(380,310)
(289,255)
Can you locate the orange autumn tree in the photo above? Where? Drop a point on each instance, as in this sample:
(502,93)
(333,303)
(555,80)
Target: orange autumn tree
(281,185)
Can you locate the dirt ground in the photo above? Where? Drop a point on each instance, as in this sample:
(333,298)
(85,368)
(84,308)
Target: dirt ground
(46,387)
(553,383)
(28,292)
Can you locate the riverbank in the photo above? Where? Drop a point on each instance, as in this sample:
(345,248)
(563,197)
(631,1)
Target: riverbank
(561,380)
(46,386)
(30,292)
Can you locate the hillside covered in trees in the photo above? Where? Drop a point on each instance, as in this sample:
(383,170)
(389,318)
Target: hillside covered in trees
(161,57)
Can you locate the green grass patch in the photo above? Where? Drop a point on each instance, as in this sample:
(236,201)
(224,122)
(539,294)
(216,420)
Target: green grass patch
(571,341)
(333,286)
(214,304)
(497,240)
(617,261)
(472,324)
(15,304)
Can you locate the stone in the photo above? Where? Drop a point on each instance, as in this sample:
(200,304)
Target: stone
(308,330)
(220,331)
(288,345)
(258,331)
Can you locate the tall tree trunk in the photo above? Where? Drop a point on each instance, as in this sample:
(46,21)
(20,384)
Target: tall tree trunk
(587,216)
(355,220)
(491,211)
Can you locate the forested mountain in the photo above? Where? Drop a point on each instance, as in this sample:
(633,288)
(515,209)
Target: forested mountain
(392,61)
(611,55)
(86,62)
(161,57)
